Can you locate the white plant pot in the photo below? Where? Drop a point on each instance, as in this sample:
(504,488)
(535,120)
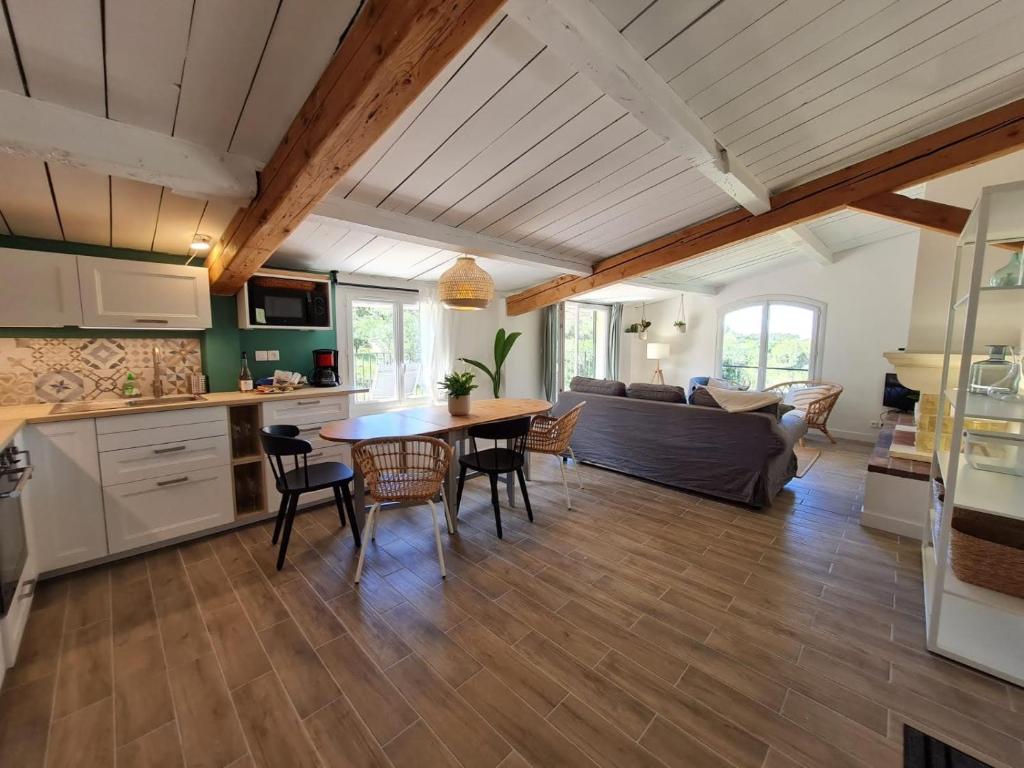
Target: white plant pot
(458,406)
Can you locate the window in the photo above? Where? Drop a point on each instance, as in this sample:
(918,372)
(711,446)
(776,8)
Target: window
(584,341)
(770,341)
(386,349)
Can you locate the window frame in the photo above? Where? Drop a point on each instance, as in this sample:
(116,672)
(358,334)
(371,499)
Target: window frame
(765,302)
(606,310)
(397,298)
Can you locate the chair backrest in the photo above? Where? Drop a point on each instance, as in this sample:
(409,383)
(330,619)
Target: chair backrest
(514,430)
(279,442)
(552,435)
(403,468)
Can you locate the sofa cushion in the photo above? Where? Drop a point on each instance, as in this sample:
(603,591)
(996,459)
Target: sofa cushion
(597,386)
(665,393)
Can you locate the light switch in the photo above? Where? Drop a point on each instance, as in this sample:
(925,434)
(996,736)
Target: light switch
(261,356)
(273,354)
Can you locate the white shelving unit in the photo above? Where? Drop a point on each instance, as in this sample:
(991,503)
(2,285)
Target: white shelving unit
(966,622)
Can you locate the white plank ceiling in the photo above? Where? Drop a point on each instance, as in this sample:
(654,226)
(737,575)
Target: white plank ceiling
(229,74)
(509,140)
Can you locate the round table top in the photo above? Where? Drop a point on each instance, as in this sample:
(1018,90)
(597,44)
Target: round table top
(429,419)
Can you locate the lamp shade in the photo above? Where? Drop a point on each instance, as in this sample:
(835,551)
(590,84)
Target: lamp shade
(465,285)
(657,351)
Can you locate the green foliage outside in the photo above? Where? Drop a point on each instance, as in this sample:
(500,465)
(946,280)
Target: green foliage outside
(789,357)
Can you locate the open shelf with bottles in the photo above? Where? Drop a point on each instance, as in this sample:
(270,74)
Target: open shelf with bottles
(247,460)
(980,624)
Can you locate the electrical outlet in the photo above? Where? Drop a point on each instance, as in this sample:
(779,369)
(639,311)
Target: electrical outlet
(273,354)
(261,356)
(876,424)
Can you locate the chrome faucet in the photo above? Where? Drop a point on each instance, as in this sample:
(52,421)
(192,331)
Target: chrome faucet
(158,385)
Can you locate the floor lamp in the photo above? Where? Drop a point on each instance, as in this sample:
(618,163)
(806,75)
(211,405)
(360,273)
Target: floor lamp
(657,351)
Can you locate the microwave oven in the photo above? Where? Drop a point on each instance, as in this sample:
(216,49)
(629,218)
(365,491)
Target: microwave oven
(272,299)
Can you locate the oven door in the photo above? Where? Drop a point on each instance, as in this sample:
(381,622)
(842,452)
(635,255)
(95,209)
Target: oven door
(13,542)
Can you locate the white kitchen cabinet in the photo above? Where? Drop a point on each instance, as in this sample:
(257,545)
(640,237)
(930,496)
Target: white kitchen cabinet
(120,293)
(162,508)
(130,464)
(309,410)
(12,625)
(64,505)
(38,289)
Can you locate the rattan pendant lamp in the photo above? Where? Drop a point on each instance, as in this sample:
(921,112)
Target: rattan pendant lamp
(465,286)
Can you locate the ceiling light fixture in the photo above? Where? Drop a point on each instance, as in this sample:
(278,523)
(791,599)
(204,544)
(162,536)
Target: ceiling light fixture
(465,286)
(201,243)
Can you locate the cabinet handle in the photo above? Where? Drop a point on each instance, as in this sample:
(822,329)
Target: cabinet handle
(174,449)
(156,320)
(175,481)
(28,590)
(309,402)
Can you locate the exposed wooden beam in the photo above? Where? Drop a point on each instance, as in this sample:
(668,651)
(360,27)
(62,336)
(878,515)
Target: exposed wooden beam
(388,57)
(56,134)
(809,244)
(990,135)
(927,214)
(704,289)
(577,31)
(381,221)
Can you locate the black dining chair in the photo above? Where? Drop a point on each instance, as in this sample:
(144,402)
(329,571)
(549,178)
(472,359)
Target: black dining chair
(497,460)
(280,442)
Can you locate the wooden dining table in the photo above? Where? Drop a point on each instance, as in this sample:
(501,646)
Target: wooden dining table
(435,421)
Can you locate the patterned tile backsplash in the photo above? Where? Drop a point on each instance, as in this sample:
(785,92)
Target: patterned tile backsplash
(63,370)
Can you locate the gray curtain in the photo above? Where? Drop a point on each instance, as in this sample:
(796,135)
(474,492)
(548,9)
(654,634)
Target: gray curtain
(549,352)
(614,335)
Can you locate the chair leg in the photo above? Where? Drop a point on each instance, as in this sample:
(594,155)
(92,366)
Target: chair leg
(282,510)
(494,502)
(448,512)
(370,520)
(373,527)
(828,434)
(526,496)
(565,484)
(293,502)
(346,494)
(458,492)
(338,503)
(437,538)
(575,463)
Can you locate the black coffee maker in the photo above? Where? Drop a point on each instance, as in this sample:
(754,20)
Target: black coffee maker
(325,368)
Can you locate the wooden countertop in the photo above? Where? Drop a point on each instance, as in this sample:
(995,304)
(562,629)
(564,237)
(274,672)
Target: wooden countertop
(14,417)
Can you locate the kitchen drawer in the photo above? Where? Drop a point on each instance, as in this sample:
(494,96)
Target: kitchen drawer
(161,508)
(335,452)
(307,410)
(145,462)
(178,417)
(311,432)
(160,435)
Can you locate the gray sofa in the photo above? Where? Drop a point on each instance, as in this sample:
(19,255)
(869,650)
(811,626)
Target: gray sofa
(742,457)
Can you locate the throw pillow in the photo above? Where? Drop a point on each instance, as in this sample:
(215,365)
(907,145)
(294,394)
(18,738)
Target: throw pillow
(664,393)
(597,386)
(726,384)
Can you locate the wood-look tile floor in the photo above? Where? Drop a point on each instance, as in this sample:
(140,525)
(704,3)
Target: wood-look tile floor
(646,627)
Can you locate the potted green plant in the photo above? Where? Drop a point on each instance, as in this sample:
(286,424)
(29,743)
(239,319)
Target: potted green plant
(458,386)
(680,325)
(502,346)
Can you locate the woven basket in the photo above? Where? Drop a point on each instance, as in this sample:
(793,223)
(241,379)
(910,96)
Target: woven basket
(985,550)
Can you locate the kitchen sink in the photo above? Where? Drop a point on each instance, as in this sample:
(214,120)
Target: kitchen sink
(117,405)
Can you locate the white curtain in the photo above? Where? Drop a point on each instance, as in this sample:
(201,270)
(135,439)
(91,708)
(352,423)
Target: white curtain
(438,326)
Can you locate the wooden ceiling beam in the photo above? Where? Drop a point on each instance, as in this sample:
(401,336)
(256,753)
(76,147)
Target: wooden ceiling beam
(927,214)
(393,50)
(973,141)
(809,244)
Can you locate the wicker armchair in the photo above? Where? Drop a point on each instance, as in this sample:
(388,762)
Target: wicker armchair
(403,469)
(815,399)
(552,435)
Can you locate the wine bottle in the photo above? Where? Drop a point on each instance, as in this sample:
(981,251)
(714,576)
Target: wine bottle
(245,377)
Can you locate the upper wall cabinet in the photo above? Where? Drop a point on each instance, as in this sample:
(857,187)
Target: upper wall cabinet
(117,293)
(38,289)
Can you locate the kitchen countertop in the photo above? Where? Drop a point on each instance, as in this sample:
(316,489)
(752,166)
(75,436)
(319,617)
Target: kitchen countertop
(14,417)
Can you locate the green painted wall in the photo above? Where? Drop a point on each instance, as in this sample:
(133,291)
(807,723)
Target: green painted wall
(222,345)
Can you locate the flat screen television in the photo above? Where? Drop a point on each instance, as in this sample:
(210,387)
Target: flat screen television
(897,396)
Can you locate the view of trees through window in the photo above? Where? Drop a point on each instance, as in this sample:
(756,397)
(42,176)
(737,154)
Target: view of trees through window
(584,342)
(386,353)
(768,343)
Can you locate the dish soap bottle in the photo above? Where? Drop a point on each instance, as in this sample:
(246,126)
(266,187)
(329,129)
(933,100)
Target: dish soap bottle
(131,386)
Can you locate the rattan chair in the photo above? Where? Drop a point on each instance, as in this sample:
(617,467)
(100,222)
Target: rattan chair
(814,399)
(403,469)
(551,435)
